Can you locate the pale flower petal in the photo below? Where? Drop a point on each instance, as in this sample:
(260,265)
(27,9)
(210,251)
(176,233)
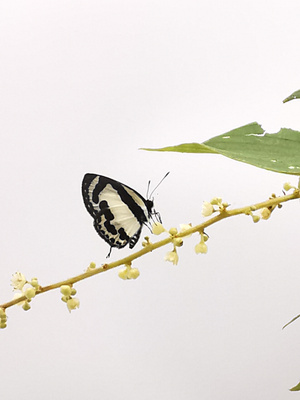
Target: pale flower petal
(157,228)
(18,280)
(207,209)
(73,303)
(172,256)
(201,248)
(133,273)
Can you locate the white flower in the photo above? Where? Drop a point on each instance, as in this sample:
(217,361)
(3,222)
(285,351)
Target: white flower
(201,248)
(133,273)
(129,273)
(123,273)
(73,303)
(18,280)
(172,256)
(207,209)
(157,228)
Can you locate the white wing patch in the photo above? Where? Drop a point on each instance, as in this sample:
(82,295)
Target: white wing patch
(123,217)
(119,212)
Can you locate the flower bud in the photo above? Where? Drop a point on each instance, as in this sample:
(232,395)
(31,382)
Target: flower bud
(26,306)
(178,242)
(173,231)
(66,290)
(265,213)
(30,293)
(34,282)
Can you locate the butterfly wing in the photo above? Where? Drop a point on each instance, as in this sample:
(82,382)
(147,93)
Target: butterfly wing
(118,211)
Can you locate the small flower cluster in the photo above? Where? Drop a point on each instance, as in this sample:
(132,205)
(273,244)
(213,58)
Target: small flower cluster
(265,213)
(208,207)
(24,288)
(3,318)
(67,292)
(128,272)
(172,256)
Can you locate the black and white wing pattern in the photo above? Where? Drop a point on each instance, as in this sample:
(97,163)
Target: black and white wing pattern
(119,212)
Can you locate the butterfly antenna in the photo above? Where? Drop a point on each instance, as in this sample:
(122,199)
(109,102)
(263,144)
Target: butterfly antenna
(156,185)
(148,187)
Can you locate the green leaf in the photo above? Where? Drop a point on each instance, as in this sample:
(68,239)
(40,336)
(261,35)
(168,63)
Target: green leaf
(295,95)
(186,148)
(295,388)
(279,152)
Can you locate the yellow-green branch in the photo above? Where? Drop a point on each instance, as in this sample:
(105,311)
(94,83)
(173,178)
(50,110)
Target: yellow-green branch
(270,203)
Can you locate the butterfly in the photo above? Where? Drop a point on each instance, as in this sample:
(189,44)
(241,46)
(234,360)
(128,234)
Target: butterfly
(119,212)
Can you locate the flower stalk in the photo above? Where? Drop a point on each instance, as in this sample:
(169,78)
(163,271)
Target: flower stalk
(92,270)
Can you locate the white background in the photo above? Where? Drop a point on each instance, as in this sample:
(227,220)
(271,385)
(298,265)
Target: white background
(84,85)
